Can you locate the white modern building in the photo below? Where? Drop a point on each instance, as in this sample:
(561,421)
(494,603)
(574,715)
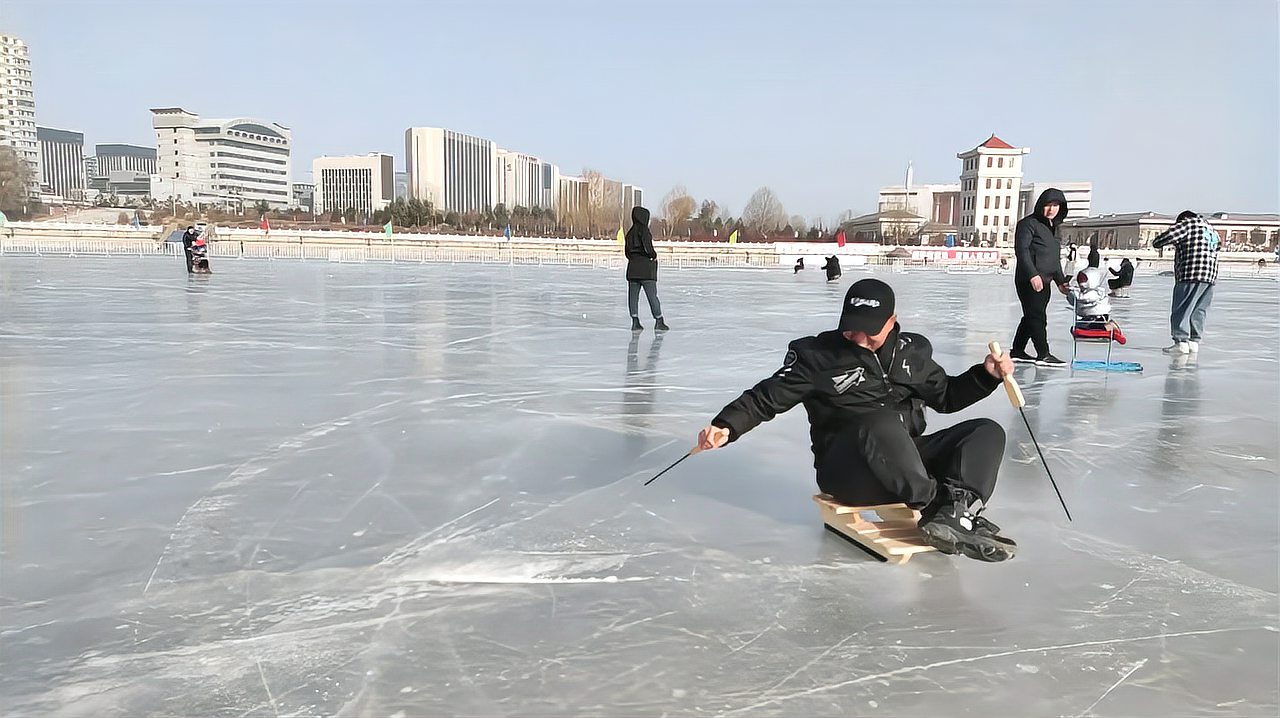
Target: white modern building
(990,186)
(365,183)
(236,162)
(526,181)
(18,104)
(939,203)
(1079,197)
(456,172)
(61,162)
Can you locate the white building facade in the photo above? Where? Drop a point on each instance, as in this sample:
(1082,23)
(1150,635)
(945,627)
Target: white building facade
(62,162)
(456,172)
(990,188)
(1079,197)
(18,104)
(526,181)
(235,162)
(365,183)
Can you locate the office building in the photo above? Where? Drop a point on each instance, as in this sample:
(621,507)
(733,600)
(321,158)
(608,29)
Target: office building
(128,158)
(526,181)
(61,162)
(234,162)
(456,172)
(18,104)
(304,195)
(365,183)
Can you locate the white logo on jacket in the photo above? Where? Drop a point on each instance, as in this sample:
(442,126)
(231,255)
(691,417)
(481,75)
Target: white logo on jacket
(846,381)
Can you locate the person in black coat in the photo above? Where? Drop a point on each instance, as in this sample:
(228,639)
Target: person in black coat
(1124,277)
(642,270)
(833,268)
(188,239)
(1039,255)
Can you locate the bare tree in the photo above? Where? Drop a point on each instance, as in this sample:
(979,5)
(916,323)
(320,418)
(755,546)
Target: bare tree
(677,208)
(845,216)
(16,179)
(798,224)
(602,205)
(764,212)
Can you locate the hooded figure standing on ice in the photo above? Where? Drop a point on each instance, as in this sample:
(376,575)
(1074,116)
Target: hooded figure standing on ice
(1039,255)
(642,270)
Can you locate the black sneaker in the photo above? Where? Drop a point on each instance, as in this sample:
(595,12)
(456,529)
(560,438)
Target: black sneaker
(661,326)
(1022,357)
(957,528)
(1049,360)
(635,325)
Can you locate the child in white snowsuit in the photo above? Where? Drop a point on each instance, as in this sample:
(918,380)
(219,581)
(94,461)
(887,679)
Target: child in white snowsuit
(1093,309)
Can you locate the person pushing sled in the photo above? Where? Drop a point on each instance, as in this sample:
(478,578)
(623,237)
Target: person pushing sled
(865,386)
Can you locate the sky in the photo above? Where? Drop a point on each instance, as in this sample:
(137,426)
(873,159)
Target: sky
(1162,104)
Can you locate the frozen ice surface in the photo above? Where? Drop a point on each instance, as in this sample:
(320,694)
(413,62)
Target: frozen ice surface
(311,489)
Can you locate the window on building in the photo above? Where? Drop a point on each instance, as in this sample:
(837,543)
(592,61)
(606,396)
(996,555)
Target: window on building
(1008,201)
(1000,162)
(989,161)
(986,202)
(1004,237)
(1006,220)
(984,220)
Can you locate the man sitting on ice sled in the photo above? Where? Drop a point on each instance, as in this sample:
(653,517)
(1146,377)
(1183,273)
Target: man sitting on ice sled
(865,386)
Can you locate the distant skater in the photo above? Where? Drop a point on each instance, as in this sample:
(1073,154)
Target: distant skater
(189,238)
(642,270)
(1123,279)
(799,266)
(833,268)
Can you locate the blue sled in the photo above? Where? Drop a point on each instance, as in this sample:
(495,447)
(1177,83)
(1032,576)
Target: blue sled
(1106,366)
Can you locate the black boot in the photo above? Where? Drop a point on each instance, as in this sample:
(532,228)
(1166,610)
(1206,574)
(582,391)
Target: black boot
(635,325)
(661,326)
(955,526)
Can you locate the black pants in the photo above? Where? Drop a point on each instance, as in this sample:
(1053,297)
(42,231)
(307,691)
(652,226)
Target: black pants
(1117,283)
(876,461)
(1034,324)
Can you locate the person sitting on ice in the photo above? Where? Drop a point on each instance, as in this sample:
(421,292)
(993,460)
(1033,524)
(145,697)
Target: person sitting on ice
(833,268)
(799,266)
(1124,278)
(865,386)
(1093,309)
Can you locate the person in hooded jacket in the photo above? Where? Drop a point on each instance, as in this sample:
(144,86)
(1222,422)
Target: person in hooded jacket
(189,238)
(1039,255)
(642,270)
(865,386)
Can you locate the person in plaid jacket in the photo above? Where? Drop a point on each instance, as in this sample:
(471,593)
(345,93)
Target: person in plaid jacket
(1195,269)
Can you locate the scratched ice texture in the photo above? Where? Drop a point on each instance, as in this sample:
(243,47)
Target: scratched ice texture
(385,490)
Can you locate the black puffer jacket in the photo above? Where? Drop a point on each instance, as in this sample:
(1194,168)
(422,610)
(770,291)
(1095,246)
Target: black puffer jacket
(838,380)
(1035,241)
(642,258)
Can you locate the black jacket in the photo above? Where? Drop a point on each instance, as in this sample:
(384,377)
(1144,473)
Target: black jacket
(642,258)
(1125,275)
(832,266)
(837,380)
(1035,241)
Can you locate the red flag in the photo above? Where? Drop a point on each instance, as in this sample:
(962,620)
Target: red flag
(840,238)
(264,225)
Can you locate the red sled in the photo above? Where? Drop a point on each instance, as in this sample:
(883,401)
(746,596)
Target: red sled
(1098,334)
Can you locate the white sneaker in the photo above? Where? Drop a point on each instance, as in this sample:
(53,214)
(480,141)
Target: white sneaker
(1193,347)
(1177,348)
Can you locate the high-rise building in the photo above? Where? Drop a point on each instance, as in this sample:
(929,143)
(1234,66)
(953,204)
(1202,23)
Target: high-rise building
(238,161)
(18,104)
(454,171)
(132,158)
(61,162)
(365,183)
(526,181)
(990,183)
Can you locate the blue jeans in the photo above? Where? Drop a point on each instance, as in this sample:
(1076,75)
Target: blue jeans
(1190,304)
(650,291)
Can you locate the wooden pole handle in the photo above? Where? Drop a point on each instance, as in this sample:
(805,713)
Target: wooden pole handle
(1010,384)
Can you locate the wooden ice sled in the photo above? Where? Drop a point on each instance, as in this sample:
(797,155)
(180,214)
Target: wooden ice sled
(888,532)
